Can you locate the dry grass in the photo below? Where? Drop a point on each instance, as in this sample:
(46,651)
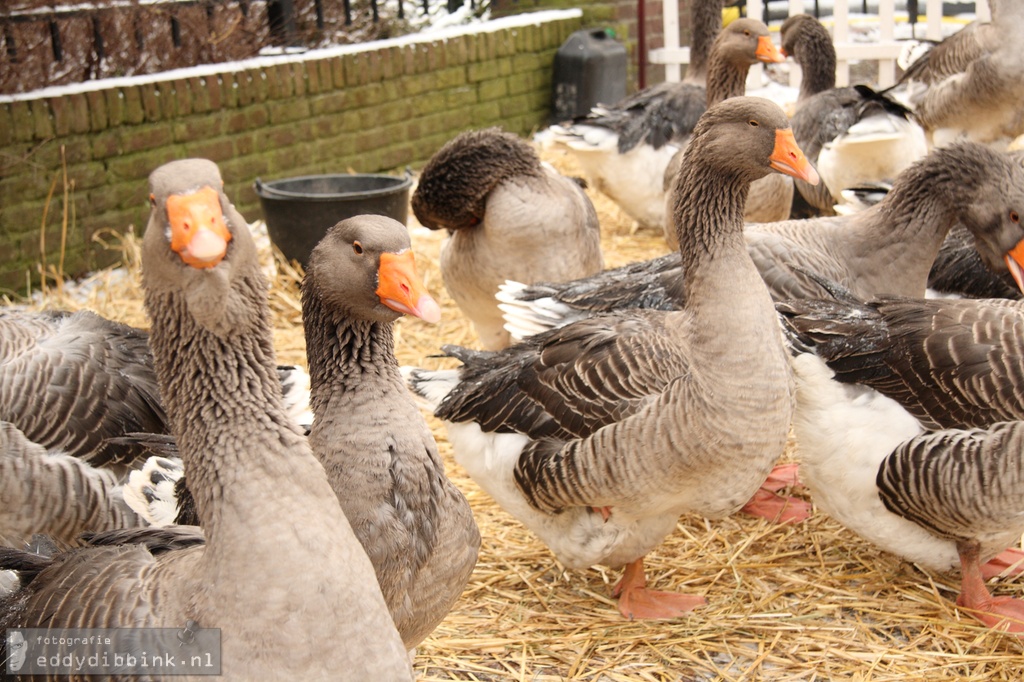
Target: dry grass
(800,602)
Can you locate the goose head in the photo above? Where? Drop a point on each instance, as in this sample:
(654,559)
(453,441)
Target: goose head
(364,267)
(197,244)
(746,41)
(993,214)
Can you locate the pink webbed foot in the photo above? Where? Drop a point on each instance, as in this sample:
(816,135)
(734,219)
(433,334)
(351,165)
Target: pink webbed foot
(638,602)
(998,613)
(1011,561)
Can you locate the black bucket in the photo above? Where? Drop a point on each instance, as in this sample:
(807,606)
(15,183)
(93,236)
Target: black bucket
(299,211)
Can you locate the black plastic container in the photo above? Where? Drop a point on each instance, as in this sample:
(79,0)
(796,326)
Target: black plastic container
(299,211)
(590,68)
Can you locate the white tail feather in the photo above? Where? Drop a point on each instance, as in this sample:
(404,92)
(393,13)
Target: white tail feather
(150,490)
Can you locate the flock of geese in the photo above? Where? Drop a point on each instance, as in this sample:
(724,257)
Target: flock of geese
(604,403)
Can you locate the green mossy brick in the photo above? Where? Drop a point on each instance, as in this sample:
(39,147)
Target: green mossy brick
(244,144)
(137,167)
(482,71)
(21,120)
(457,98)
(412,86)
(108,198)
(329,103)
(458,51)
(338,71)
(325,73)
(106,144)
(152,107)
(526,62)
(410,59)
(451,77)
(6,125)
(492,89)
(168,100)
(261,88)
(145,137)
(289,110)
(77,149)
(212,84)
(226,92)
(61,109)
(312,77)
(97,102)
(397,156)
(487,114)
(215,149)
(42,118)
(198,127)
(298,79)
(241,87)
(79,112)
(248,118)
(132,112)
(183,98)
(436,57)
(278,82)
(199,95)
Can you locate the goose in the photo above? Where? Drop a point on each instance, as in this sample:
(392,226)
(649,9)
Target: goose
(264,500)
(887,248)
(597,436)
(72,386)
(69,381)
(380,457)
(508,216)
(909,431)
(970,85)
(705,23)
(625,148)
(853,135)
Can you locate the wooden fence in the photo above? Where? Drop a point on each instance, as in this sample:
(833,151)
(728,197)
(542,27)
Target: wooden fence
(885,50)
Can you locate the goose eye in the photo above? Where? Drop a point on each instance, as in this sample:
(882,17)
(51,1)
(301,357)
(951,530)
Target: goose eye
(746,33)
(1014,216)
(754,123)
(357,247)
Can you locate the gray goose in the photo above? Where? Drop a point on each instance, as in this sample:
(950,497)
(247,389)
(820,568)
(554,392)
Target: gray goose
(72,386)
(625,148)
(509,216)
(597,436)
(71,381)
(380,457)
(909,430)
(853,135)
(263,498)
(970,85)
(885,249)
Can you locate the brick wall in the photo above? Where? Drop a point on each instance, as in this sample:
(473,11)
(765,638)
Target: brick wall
(373,108)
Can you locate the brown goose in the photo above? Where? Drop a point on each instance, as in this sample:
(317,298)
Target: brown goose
(263,499)
(885,249)
(625,148)
(508,216)
(380,457)
(853,135)
(599,435)
(970,85)
(884,372)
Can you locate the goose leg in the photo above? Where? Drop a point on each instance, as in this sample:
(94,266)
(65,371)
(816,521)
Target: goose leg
(1002,613)
(637,602)
(768,504)
(1012,559)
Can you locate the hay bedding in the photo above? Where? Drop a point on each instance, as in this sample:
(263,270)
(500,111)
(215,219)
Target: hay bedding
(803,602)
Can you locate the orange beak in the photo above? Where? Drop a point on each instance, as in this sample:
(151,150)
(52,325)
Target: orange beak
(1015,262)
(789,159)
(199,234)
(766,50)
(400,288)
